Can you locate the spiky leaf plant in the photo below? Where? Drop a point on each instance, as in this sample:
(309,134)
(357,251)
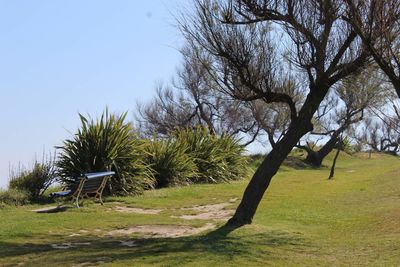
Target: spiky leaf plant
(170,161)
(107,143)
(218,158)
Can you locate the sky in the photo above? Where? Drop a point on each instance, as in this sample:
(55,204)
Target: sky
(58,58)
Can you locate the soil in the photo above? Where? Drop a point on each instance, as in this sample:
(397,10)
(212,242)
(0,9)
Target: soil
(136,210)
(209,212)
(162,231)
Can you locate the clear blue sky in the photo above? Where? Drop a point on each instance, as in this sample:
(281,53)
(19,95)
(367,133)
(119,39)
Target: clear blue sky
(58,58)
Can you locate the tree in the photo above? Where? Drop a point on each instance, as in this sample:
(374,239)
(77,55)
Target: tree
(377,22)
(382,133)
(192,100)
(247,65)
(272,121)
(346,108)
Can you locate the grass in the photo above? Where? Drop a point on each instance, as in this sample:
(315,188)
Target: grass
(303,220)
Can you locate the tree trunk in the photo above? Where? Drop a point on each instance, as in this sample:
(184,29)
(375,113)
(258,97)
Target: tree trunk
(263,176)
(315,158)
(332,173)
(261,179)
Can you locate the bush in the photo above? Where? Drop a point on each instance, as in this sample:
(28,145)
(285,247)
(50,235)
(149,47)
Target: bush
(170,162)
(34,181)
(218,158)
(102,145)
(14,197)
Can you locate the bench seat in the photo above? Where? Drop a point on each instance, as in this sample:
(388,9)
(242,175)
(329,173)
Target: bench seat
(88,184)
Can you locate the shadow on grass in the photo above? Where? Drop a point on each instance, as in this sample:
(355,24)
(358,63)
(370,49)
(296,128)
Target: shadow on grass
(42,200)
(218,246)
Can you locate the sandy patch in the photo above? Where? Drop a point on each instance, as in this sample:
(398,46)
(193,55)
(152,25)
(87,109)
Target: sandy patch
(69,245)
(212,215)
(128,244)
(88,263)
(73,235)
(80,233)
(208,212)
(163,231)
(206,208)
(136,210)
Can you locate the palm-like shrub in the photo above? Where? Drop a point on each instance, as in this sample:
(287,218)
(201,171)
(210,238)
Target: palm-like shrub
(170,161)
(218,158)
(103,145)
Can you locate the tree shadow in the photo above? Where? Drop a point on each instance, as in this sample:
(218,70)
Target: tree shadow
(218,245)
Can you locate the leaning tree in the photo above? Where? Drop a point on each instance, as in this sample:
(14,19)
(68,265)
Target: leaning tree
(377,22)
(249,42)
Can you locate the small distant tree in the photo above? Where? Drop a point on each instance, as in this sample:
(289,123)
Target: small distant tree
(382,132)
(344,110)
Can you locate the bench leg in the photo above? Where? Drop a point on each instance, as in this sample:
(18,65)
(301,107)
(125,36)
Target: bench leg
(75,200)
(59,203)
(101,200)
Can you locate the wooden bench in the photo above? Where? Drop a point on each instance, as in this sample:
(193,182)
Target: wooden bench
(89,184)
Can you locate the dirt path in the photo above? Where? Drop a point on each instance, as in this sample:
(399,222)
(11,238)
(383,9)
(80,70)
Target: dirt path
(211,212)
(162,231)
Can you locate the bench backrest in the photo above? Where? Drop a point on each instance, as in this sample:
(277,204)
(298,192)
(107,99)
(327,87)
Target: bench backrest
(95,182)
(90,183)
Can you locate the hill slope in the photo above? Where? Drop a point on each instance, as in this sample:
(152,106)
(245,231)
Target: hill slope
(304,219)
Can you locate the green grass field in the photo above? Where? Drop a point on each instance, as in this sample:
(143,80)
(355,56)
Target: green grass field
(303,220)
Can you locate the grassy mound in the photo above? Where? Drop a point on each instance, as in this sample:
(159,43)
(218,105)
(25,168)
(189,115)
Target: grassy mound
(303,220)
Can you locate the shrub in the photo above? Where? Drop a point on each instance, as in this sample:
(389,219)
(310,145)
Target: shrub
(102,145)
(14,197)
(170,162)
(255,160)
(34,181)
(218,158)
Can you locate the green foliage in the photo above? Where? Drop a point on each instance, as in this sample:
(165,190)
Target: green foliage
(170,161)
(195,156)
(106,144)
(255,160)
(349,147)
(218,158)
(15,197)
(34,181)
